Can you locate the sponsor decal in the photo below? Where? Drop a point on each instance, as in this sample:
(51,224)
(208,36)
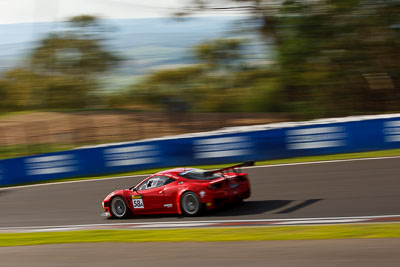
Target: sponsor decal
(222,147)
(51,164)
(391,131)
(137,202)
(311,138)
(202,194)
(131,155)
(168,205)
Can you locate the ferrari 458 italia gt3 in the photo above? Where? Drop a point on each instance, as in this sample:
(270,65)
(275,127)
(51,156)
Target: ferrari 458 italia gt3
(185,191)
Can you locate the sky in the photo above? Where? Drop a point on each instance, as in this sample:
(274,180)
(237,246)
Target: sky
(18,11)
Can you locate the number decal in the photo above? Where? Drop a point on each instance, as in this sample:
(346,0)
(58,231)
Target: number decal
(137,202)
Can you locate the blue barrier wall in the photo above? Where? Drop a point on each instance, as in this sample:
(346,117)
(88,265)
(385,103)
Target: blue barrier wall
(283,140)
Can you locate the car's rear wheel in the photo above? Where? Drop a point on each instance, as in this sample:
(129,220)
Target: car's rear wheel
(118,208)
(190,204)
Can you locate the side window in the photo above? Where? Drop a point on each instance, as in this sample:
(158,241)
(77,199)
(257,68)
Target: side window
(162,180)
(142,186)
(152,182)
(155,182)
(169,180)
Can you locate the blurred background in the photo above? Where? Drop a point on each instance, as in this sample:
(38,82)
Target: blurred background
(83,72)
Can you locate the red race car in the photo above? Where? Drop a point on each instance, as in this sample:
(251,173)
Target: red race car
(185,191)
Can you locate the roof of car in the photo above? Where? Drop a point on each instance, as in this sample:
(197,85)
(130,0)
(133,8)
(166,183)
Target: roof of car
(174,171)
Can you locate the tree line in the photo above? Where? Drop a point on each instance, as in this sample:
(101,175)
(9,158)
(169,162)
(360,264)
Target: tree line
(61,70)
(331,58)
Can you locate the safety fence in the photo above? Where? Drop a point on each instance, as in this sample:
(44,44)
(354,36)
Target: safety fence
(263,142)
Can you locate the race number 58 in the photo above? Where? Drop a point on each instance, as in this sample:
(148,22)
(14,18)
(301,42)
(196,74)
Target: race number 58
(137,203)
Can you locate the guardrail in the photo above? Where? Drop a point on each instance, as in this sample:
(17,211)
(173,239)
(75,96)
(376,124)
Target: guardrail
(262,142)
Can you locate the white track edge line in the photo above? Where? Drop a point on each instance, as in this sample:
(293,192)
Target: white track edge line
(211,222)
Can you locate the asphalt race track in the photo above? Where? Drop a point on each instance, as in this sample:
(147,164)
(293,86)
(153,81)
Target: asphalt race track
(304,253)
(348,188)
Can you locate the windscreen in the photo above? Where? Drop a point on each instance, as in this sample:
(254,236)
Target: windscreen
(198,174)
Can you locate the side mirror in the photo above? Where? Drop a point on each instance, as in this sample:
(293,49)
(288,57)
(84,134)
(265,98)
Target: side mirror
(133,189)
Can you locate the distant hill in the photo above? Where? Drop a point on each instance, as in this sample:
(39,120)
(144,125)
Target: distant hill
(145,44)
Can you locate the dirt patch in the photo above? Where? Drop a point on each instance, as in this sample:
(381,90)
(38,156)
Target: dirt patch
(91,127)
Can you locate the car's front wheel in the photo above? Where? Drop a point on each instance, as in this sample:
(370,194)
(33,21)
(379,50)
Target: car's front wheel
(118,208)
(190,204)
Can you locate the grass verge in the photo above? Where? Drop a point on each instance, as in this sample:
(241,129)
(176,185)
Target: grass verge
(390,230)
(12,151)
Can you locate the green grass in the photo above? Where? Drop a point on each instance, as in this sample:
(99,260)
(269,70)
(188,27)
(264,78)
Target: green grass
(382,230)
(12,113)
(12,151)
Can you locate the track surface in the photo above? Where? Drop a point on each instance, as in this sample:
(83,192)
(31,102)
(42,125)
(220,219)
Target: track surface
(350,188)
(344,253)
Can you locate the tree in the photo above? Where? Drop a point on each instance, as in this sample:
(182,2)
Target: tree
(73,59)
(84,21)
(334,57)
(3,95)
(219,53)
(329,48)
(170,86)
(76,52)
(71,55)
(21,89)
(62,71)
(215,84)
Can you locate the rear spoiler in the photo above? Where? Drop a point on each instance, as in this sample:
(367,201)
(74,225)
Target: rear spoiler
(235,168)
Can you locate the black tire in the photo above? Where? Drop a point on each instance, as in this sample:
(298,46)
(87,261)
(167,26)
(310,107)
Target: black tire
(239,202)
(190,204)
(118,208)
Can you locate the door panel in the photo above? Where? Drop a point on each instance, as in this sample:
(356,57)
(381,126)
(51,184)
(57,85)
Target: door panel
(170,198)
(153,200)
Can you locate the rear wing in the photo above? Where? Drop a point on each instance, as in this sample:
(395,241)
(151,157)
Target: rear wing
(235,168)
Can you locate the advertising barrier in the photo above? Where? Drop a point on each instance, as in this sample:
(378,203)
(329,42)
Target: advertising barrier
(262,142)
